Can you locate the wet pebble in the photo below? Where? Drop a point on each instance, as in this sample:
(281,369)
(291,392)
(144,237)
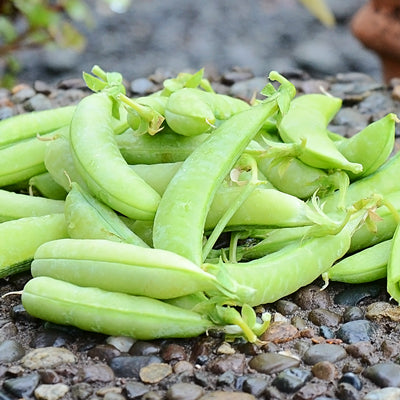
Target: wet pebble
(352,379)
(363,350)
(354,294)
(324,352)
(390,348)
(122,343)
(270,363)
(184,391)
(22,386)
(231,362)
(326,332)
(22,93)
(98,372)
(50,338)
(142,86)
(376,103)
(311,297)
(310,391)
(173,351)
(11,350)
(8,331)
(51,392)
(279,332)
(382,310)
(351,119)
(353,313)
(38,102)
(325,370)
(47,357)
(129,366)
(256,385)
(345,391)
(134,390)
(81,390)
(141,348)
(384,374)
(183,367)
(321,316)
(155,372)
(104,352)
(286,307)
(292,379)
(388,393)
(356,331)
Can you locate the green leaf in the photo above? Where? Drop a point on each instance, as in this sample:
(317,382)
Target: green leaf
(7,30)
(93,83)
(320,9)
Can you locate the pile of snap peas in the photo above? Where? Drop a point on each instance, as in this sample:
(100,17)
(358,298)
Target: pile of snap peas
(130,200)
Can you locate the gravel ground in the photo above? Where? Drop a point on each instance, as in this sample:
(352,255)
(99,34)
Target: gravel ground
(340,343)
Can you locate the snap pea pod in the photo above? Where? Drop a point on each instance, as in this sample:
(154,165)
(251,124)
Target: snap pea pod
(99,161)
(47,186)
(393,267)
(307,121)
(97,310)
(166,146)
(281,273)
(370,147)
(16,205)
(28,125)
(182,212)
(20,238)
(121,267)
(88,218)
(192,111)
(367,265)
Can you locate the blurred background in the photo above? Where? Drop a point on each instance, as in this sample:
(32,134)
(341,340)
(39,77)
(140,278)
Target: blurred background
(139,37)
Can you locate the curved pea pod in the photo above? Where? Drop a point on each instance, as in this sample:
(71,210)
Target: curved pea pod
(393,267)
(47,186)
(88,218)
(384,181)
(110,313)
(17,205)
(182,212)
(165,147)
(101,165)
(20,238)
(367,265)
(370,147)
(307,121)
(121,267)
(192,111)
(28,125)
(281,273)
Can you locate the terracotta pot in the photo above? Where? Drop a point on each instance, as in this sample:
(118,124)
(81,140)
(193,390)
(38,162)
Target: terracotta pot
(377,26)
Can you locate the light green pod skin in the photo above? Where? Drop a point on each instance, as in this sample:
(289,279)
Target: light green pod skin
(393,267)
(28,125)
(20,238)
(47,186)
(101,165)
(182,212)
(370,147)
(192,111)
(88,218)
(367,265)
(110,313)
(17,205)
(307,119)
(21,160)
(121,267)
(285,271)
(164,147)
(385,180)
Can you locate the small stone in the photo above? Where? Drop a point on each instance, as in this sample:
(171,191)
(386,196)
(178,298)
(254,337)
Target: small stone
(286,307)
(184,391)
(389,393)
(321,316)
(155,372)
(8,331)
(96,373)
(324,352)
(311,297)
(279,332)
(142,86)
(326,332)
(183,367)
(81,390)
(292,379)
(220,395)
(225,348)
(390,348)
(356,331)
(122,343)
(363,350)
(271,363)
(325,370)
(311,391)
(353,313)
(352,379)
(173,351)
(22,386)
(231,362)
(255,385)
(104,352)
(381,310)
(47,357)
(129,366)
(142,348)
(38,102)
(51,392)
(134,390)
(22,93)
(11,350)
(354,295)
(347,391)
(384,374)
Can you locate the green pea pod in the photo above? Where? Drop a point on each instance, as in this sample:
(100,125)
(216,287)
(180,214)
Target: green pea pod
(306,121)
(28,125)
(47,186)
(370,147)
(17,205)
(121,267)
(110,313)
(166,146)
(88,218)
(393,269)
(183,209)
(191,111)
(101,165)
(20,238)
(367,265)
(281,273)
